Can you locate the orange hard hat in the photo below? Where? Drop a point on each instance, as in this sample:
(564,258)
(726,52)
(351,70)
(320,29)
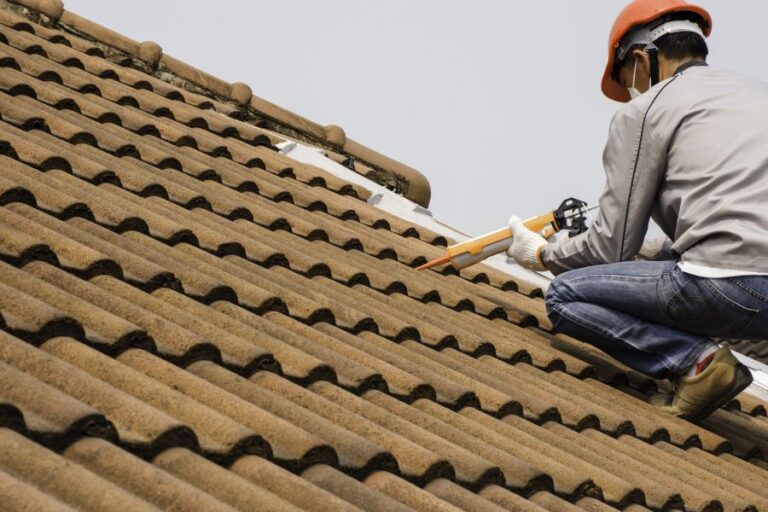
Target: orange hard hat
(636,14)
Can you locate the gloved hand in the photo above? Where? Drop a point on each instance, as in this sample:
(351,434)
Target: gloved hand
(526,245)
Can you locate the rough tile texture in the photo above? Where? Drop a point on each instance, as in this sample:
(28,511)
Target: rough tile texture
(190,320)
(754,349)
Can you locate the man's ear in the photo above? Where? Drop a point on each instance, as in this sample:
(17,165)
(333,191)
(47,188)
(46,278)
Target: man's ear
(643,61)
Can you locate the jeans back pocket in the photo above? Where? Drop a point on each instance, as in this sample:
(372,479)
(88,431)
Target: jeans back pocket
(701,307)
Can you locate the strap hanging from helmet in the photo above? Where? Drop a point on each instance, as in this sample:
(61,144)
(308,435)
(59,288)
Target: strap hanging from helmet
(653,55)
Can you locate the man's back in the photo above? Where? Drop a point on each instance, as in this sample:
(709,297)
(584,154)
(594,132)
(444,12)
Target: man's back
(713,197)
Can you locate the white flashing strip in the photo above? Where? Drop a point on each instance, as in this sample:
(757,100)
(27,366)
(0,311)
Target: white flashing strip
(759,386)
(397,205)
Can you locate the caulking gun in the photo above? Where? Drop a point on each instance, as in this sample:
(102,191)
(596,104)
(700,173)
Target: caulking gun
(572,216)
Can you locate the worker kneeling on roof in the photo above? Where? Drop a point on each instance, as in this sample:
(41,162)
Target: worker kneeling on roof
(690,150)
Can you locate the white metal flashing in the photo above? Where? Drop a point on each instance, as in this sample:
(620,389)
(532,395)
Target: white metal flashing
(401,207)
(405,209)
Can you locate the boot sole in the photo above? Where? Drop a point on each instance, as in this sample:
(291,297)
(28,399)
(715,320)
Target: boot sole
(741,380)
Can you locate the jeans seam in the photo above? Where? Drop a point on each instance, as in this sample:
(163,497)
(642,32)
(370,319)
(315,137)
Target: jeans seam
(749,290)
(592,277)
(735,305)
(667,362)
(669,301)
(659,300)
(622,276)
(732,303)
(726,301)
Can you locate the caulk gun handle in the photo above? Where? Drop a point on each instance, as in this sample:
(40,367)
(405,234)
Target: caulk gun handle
(467,259)
(478,249)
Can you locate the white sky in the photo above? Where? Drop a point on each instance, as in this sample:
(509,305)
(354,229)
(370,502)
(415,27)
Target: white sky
(496,102)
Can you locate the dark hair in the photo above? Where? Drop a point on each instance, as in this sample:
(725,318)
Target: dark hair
(682,45)
(677,46)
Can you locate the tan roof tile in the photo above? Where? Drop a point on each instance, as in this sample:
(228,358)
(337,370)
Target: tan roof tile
(44,196)
(19,495)
(101,327)
(235,352)
(141,478)
(71,254)
(192,282)
(224,485)
(18,247)
(352,491)
(139,426)
(695,497)
(289,444)
(417,461)
(553,503)
(33,319)
(460,497)
(508,500)
(407,493)
(355,453)
(135,269)
(295,363)
(288,486)
(220,436)
(711,474)
(171,340)
(62,480)
(566,469)
(50,416)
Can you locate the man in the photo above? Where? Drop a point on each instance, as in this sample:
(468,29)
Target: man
(690,150)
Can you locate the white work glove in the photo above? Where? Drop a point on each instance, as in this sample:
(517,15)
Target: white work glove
(526,245)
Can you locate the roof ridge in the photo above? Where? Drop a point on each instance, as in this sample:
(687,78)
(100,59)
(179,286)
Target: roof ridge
(402,178)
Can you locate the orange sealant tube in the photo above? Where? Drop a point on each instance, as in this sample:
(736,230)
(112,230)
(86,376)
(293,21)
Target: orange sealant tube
(475,250)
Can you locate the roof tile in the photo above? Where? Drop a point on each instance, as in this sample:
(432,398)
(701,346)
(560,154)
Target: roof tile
(173,341)
(62,480)
(139,426)
(224,485)
(355,453)
(352,491)
(19,495)
(220,436)
(290,487)
(407,493)
(289,444)
(141,478)
(417,461)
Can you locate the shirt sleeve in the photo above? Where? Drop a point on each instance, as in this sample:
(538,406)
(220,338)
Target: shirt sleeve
(634,162)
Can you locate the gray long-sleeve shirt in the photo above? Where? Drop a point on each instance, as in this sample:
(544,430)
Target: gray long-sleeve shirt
(691,153)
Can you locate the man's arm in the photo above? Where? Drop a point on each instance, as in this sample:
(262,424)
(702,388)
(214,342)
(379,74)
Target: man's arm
(634,162)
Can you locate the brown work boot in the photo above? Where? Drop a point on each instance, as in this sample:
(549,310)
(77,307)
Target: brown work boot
(697,397)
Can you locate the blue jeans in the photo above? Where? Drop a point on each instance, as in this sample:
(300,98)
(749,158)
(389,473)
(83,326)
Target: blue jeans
(653,317)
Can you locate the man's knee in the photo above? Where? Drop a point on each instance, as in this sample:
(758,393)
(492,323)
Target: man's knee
(555,297)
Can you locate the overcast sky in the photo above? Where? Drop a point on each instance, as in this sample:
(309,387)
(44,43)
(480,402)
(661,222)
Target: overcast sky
(496,102)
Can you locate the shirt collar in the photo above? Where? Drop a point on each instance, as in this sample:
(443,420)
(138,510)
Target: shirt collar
(688,65)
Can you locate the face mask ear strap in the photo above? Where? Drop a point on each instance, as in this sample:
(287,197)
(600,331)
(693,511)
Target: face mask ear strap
(634,73)
(653,54)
